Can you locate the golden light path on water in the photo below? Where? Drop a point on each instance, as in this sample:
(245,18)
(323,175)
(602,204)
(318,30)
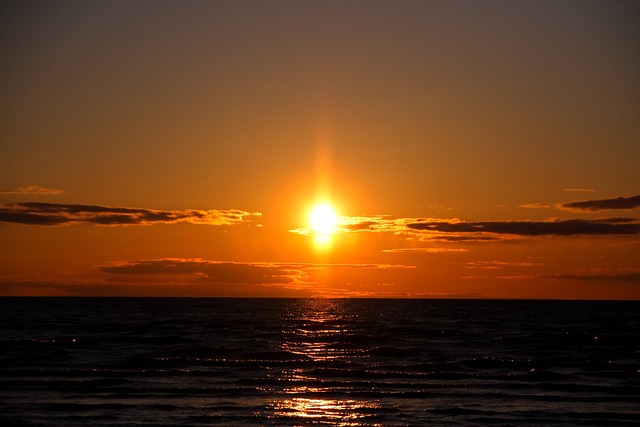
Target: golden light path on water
(333,412)
(312,334)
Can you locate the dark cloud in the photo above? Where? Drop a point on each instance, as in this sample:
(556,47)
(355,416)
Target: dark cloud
(568,227)
(30,189)
(35,213)
(617,203)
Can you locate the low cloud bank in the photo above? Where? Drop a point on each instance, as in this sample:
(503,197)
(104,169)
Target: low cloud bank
(200,270)
(210,271)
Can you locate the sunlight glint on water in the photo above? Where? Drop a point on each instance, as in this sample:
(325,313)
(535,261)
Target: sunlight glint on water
(326,362)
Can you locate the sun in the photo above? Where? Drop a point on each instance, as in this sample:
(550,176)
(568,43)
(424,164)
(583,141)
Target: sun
(323,219)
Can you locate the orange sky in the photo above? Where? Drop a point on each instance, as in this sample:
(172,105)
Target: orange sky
(471,149)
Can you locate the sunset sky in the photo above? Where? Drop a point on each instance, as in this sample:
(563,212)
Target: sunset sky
(470,149)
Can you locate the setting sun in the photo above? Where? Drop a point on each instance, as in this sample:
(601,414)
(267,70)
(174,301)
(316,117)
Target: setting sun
(323,219)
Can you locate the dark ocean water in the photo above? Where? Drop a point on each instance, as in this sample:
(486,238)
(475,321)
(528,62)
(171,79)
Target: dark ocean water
(292,362)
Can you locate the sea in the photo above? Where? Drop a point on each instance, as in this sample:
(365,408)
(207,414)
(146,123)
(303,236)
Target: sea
(320,362)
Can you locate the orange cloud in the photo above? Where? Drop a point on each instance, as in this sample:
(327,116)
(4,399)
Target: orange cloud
(625,277)
(495,264)
(353,224)
(535,206)
(617,277)
(30,189)
(579,190)
(425,250)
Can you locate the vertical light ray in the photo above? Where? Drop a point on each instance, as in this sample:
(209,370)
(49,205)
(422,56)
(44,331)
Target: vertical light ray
(323,159)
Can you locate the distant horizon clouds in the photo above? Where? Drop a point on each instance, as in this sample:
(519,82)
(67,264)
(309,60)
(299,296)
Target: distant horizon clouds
(197,271)
(633,277)
(208,270)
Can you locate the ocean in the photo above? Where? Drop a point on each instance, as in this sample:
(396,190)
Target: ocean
(321,362)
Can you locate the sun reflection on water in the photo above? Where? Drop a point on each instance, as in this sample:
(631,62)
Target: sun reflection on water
(318,330)
(332,411)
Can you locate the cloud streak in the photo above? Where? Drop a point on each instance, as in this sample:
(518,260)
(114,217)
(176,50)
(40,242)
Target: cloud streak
(54,214)
(31,190)
(620,277)
(496,264)
(617,203)
(628,277)
(425,250)
(580,190)
(535,206)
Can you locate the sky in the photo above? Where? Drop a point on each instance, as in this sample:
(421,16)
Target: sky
(177,148)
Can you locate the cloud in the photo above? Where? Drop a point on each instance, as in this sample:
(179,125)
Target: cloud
(617,203)
(619,277)
(197,270)
(503,277)
(624,277)
(631,243)
(495,264)
(568,227)
(535,206)
(352,224)
(457,230)
(196,277)
(211,271)
(458,238)
(579,190)
(425,250)
(52,214)
(31,190)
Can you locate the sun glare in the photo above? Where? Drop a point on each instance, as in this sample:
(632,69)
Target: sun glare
(323,219)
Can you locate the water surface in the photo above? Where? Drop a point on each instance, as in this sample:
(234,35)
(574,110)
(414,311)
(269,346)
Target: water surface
(325,362)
